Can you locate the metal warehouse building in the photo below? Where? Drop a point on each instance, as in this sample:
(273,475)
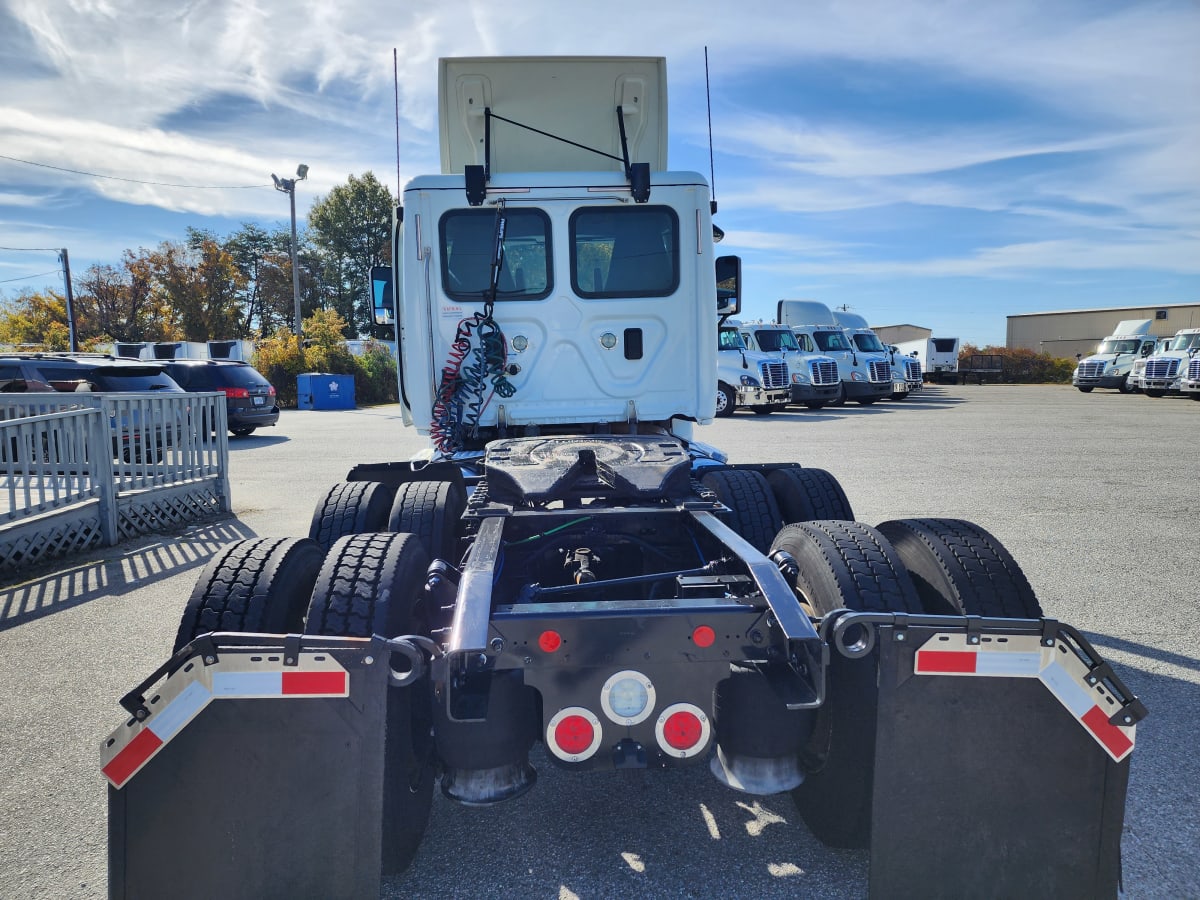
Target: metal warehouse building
(1078,331)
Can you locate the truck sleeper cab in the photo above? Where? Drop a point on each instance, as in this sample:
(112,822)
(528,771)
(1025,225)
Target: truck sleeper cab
(1165,370)
(748,378)
(815,380)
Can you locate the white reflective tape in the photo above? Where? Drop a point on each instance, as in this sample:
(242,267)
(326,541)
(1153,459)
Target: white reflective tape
(1019,665)
(179,711)
(1070,693)
(247,684)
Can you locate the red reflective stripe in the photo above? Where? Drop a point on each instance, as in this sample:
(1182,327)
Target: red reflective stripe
(1106,733)
(136,752)
(946,661)
(314,682)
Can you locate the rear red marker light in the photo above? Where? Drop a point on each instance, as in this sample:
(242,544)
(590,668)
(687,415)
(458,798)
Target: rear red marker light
(703,636)
(574,734)
(683,730)
(549,641)
(236,393)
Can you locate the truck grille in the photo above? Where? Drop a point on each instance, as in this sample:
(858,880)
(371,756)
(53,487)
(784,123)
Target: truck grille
(1161,368)
(1194,369)
(825,372)
(913,367)
(881,372)
(774,374)
(1091,369)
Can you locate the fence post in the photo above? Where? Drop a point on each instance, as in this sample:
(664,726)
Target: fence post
(100,464)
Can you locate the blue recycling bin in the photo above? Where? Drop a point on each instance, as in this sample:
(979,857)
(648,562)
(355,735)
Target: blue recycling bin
(321,390)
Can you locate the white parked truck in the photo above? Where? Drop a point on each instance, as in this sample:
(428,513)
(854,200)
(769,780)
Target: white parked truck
(814,378)
(906,371)
(567,565)
(938,357)
(1112,363)
(747,378)
(1166,369)
(866,377)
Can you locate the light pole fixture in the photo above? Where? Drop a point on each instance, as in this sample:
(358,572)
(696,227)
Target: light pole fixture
(288,186)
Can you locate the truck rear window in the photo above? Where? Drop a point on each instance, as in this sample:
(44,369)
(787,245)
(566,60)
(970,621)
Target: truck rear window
(468,239)
(625,252)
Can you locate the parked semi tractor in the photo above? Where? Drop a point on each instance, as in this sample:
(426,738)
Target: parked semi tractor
(814,378)
(1112,363)
(567,565)
(938,357)
(1165,369)
(906,371)
(866,377)
(748,379)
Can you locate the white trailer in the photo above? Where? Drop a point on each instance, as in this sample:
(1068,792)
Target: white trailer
(938,357)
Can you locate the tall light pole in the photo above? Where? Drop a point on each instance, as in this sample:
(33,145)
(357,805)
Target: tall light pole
(288,186)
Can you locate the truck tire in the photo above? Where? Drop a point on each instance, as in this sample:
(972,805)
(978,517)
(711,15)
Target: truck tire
(806,494)
(372,584)
(726,400)
(844,564)
(350,507)
(1084,389)
(753,511)
(959,568)
(431,510)
(252,586)
(1123,387)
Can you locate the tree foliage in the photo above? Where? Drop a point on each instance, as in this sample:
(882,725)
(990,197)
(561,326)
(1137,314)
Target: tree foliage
(1025,366)
(351,226)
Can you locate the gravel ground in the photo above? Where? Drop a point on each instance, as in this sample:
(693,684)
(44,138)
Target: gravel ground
(1090,493)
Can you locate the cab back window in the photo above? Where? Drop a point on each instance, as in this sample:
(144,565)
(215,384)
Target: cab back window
(625,251)
(468,238)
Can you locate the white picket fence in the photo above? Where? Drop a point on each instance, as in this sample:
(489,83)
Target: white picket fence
(82,470)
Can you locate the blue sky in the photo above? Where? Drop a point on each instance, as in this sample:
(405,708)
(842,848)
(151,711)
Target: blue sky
(938,163)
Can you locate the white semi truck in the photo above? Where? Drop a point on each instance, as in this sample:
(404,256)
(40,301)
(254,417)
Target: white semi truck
(1110,366)
(1167,368)
(866,377)
(568,566)
(906,371)
(747,378)
(814,378)
(938,357)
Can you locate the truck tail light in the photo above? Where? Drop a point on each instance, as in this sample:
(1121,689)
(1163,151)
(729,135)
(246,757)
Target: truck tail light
(683,730)
(574,734)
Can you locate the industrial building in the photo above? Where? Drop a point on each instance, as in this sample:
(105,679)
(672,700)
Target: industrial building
(1072,332)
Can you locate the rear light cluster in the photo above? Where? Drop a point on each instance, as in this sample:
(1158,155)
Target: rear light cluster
(235,393)
(575,733)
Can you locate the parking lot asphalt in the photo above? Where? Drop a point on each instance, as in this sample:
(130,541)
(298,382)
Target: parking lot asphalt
(1093,494)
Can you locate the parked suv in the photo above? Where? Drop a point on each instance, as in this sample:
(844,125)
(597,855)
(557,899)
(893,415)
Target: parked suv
(133,439)
(249,397)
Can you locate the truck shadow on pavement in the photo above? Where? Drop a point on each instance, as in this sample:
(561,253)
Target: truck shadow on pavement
(112,571)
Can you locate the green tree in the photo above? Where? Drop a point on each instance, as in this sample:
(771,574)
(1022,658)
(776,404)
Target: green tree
(201,285)
(352,227)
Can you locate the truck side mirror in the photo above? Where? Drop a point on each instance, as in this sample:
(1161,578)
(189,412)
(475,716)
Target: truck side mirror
(383,306)
(729,285)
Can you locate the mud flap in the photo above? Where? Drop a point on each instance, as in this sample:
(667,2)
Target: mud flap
(1001,763)
(251,777)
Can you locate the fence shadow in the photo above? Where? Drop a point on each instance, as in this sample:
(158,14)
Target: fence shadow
(112,571)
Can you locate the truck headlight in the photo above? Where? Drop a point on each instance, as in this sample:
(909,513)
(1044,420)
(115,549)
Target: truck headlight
(856,376)
(799,378)
(1112,370)
(749,381)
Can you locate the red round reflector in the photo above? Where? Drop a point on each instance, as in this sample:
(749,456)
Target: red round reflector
(703,636)
(682,730)
(549,641)
(574,735)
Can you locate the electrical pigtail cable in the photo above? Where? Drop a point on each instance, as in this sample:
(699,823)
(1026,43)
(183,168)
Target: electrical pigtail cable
(474,372)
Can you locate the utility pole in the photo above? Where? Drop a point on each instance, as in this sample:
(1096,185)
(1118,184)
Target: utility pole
(66,264)
(288,186)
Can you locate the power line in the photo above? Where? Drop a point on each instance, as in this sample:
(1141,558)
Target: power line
(27,277)
(197,187)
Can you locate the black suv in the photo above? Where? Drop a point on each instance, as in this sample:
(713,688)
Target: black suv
(249,398)
(31,373)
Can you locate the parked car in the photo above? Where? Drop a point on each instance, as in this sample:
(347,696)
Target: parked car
(102,374)
(249,397)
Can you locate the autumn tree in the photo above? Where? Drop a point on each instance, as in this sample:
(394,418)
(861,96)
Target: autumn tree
(35,318)
(351,226)
(120,304)
(202,287)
